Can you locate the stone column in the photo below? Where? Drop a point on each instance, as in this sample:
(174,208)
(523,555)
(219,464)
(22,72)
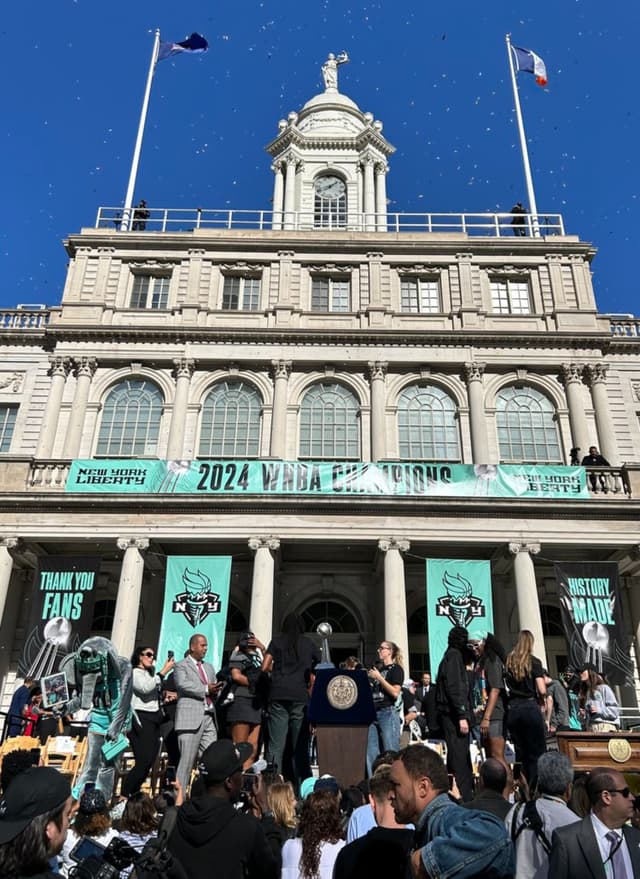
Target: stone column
(125,619)
(290,193)
(278,442)
(395,599)
(572,378)
(381,197)
(369,196)
(527,594)
(84,369)
(377,373)
(59,370)
(606,437)
(278,194)
(6,567)
(182,372)
(473,373)
(261,613)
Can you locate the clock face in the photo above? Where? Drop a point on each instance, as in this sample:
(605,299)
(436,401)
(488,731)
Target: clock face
(329,187)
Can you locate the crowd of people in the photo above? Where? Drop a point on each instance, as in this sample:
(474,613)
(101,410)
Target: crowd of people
(231,813)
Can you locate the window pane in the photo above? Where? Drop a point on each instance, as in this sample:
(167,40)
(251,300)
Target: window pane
(130,422)
(231,419)
(427,425)
(140,291)
(526,427)
(8,416)
(329,423)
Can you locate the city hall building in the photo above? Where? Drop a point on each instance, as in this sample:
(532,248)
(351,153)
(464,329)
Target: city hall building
(326,369)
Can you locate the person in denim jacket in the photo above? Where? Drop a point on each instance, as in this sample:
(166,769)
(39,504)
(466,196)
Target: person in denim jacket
(450,841)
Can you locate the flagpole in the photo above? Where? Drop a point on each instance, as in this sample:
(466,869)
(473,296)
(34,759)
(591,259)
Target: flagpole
(128,199)
(533,208)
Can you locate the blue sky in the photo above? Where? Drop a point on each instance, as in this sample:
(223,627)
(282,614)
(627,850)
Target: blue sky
(73,75)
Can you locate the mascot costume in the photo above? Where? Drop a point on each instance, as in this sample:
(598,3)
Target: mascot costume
(101,682)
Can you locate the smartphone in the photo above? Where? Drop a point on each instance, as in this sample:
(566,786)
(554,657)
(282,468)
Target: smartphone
(90,785)
(517,771)
(35,756)
(170,775)
(451,778)
(249,781)
(170,654)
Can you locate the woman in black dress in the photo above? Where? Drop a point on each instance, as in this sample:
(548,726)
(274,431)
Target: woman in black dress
(244,714)
(524,680)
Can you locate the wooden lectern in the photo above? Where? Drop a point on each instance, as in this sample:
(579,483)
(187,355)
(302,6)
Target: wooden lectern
(613,750)
(341,710)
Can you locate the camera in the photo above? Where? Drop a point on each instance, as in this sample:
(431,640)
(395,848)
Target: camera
(94,861)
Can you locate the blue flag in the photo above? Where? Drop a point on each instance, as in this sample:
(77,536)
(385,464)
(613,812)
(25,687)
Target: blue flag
(195,44)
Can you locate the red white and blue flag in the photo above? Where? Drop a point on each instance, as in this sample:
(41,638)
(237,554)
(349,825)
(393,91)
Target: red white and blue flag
(528,62)
(193,45)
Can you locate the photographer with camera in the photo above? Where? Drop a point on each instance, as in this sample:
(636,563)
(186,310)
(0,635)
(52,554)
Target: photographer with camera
(93,821)
(34,819)
(244,714)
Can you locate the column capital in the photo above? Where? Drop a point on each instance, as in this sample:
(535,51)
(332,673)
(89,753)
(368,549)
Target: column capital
(59,366)
(10,542)
(377,369)
(281,368)
(84,366)
(183,367)
(571,373)
(473,371)
(139,543)
(531,548)
(387,543)
(256,543)
(597,373)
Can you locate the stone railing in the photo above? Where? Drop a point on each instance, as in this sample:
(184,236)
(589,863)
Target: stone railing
(626,326)
(49,475)
(24,319)
(608,481)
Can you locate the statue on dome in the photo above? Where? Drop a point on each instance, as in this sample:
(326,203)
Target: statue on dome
(330,70)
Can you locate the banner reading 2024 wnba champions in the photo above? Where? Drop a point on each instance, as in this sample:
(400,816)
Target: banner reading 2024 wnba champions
(458,594)
(196,601)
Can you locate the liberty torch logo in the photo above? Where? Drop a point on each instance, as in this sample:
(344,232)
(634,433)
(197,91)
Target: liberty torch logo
(197,601)
(459,604)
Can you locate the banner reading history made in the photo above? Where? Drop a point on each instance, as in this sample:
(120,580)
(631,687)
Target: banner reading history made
(592,619)
(61,612)
(196,601)
(337,478)
(458,594)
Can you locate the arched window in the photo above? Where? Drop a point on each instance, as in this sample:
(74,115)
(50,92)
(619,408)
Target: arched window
(131,420)
(236,620)
(103,613)
(427,425)
(527,429)
(329,423)
(329,202)
(551,621)
(341,619)
(231,418)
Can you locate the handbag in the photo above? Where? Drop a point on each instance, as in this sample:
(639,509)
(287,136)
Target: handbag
(113,749)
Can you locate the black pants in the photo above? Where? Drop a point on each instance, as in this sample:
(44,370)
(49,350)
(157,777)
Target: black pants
(145,739)
(528,734)
(458,759)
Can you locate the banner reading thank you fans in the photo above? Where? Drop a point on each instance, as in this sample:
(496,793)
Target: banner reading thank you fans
(339,478)
(196,601)
(61,611)
(458,594)
(592,619)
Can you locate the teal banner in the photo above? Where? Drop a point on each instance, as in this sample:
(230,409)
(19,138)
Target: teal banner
(337,478)
(196,601)
(458,594)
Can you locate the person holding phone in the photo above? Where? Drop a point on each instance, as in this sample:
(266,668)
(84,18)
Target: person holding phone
(147,715)
(244,715)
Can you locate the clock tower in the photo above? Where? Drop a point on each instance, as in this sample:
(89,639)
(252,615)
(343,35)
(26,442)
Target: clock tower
(330,162)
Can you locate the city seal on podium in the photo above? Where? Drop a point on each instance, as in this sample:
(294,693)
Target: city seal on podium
(342,692)
(619,750)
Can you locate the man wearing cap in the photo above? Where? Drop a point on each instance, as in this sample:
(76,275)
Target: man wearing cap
(34,819)
(211,837)
(196,687)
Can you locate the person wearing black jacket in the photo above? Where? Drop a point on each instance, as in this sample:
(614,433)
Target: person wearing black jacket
(210,836)
(454,707)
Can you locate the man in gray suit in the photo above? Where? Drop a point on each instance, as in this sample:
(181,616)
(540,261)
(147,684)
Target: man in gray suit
(196,686)
(600,846)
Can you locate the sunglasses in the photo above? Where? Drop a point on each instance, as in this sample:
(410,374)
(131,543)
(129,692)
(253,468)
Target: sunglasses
(148,653)
(623,790)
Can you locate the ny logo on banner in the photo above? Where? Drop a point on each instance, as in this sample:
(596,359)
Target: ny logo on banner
(459,604)
(197,601)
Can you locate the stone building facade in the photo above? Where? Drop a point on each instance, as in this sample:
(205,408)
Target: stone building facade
(325,330)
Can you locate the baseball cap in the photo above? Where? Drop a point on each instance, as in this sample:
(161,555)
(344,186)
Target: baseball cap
(34,792)
(92,802)
(326,782)
(307,786)
(223,758)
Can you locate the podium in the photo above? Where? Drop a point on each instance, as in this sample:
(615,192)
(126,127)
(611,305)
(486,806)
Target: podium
(341,710)
(613,750)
